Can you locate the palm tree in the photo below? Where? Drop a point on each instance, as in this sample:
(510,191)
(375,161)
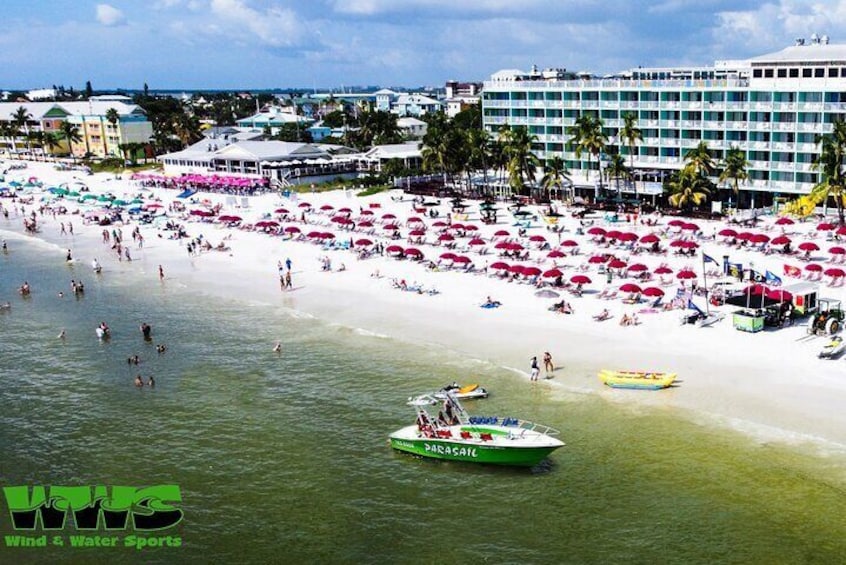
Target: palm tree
(617,169)
(587,136)
(20,119)
(830,165)
(556,175)
(700,160)
(632,135)
(521,161)
(71,134)
(479,145)
(734,168)
(113,117)
(688,188)
(49,141)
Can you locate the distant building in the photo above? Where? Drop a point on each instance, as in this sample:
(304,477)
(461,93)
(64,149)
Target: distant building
(412,127)
(415,105)
(409,153)
(273,117)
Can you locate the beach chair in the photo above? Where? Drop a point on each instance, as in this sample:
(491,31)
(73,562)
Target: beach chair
(611,295)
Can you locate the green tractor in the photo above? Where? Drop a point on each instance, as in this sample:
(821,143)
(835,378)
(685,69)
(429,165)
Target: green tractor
(828,319)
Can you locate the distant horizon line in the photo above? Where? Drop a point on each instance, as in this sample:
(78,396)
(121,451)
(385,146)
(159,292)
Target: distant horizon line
(338,89)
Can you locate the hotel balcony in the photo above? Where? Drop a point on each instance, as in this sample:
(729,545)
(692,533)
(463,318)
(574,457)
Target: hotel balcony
(815,127)
(784,126)
(782,166)
(757,144)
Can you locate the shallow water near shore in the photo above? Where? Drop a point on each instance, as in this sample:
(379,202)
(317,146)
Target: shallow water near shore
(286,456)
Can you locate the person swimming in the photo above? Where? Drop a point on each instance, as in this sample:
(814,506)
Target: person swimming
(151,381)
(161,348)
(61,334)
(95,265)
(278,347)
(146,331)
(139,382)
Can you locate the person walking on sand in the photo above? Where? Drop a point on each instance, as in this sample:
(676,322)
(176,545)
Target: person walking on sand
(535,369)
(288,283)
(161,273)
(548,366)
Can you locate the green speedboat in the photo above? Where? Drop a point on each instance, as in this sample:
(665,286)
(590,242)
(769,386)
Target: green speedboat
(456,436)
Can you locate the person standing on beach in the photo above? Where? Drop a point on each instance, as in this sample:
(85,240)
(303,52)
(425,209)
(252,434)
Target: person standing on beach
(548,366)
(62,230)
(288,283)
(161,273)
(288,263)
(535,369)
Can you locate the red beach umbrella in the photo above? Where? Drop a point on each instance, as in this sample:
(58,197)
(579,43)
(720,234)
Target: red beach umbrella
(514,247)
(304,205)
(476,241)
(653,291)
(413,251)
(686,274)
(663,270)
(367,212)
(553,274)
(580,279)
(834,272)
(612,234)
(327,235)
(813,268)
(229,219)
(841,230)
(414,220)
(417,233)
(281,211)
(500,233)
(291,229)
(531,271)
(759,238)
(596,230)
(327,207)
(650,238)
(448,256)
(389,216)
(837,250)
(784,221)
(363,242)
(627,236)
(555,254)
(502,245)
(537,238)
(569,243)
(393,249)
(825,226)
(445,237)
(676,223)
(267,224)
(517,269)
(780,240)
(630,287)
(499,266)
(596,259)
(392,227)
(462,259)
(617,264)
(727,232)
(637,267)
(690,227)
(689,245)
(809,246)
(677,243)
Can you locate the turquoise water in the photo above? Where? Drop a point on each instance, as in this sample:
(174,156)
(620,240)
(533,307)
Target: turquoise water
(285,458)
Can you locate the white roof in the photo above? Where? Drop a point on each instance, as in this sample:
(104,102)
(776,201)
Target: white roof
(416,99)
(408,122)
(81,108)
(394,151)
(805,53)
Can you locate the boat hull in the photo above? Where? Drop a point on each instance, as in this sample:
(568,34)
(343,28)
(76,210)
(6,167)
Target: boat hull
(473,451)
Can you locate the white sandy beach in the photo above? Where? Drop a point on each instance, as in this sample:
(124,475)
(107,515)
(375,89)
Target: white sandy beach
(770,384)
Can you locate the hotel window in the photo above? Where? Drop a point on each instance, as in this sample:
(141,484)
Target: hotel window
(757,73)
(806,73)
(819,73)
(768,73)
(794,73)
(833,72)
(782,73)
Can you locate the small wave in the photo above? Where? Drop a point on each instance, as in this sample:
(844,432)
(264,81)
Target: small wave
(368,333)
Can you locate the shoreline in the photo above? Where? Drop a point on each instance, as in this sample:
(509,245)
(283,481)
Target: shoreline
(733,379)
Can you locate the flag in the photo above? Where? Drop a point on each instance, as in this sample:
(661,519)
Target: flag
(708,259)
(756,276)
(791,271)
(735,270)
(772,278)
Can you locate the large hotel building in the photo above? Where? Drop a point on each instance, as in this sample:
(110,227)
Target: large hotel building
(772,107)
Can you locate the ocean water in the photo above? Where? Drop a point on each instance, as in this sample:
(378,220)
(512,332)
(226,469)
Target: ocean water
(284,458)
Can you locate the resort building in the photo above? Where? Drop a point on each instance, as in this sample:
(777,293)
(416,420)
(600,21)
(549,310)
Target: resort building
(274,117)
(100,137)
(772,107)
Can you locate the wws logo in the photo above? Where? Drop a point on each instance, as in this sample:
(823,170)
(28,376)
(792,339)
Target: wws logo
(151,508)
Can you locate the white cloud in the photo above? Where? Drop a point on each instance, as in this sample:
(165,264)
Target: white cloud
(276,27)
(372,7)
(109,15)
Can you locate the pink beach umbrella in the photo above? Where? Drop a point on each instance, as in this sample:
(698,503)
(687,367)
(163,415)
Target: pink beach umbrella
(569,243)
(596,259)
(809,246)
(363,242)
(501,233)
(393,250)
(727,232)
(580,279)
(825,226)
(663,270)
(413,252)
(780,240)
(686,274)
(552,274)
(476,241)
(596,230)
(448,256)
(499,266)
(649,239)
(637,268)
(813,268)
(837,250)
(617,264)
(462,260)
(835,272)
(531,271)
(555,254)
(291,229)
(784,221)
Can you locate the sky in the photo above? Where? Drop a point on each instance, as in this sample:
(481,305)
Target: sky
(243,44)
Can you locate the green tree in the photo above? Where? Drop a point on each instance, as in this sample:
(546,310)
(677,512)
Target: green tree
(478,150)
(49,141)
(21,118)
(70,133)
(587,136)
(89,92)
(631,135)
(521,160)
(688,188)
(556,175)
(700,160)
(617,169)
(734,168)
